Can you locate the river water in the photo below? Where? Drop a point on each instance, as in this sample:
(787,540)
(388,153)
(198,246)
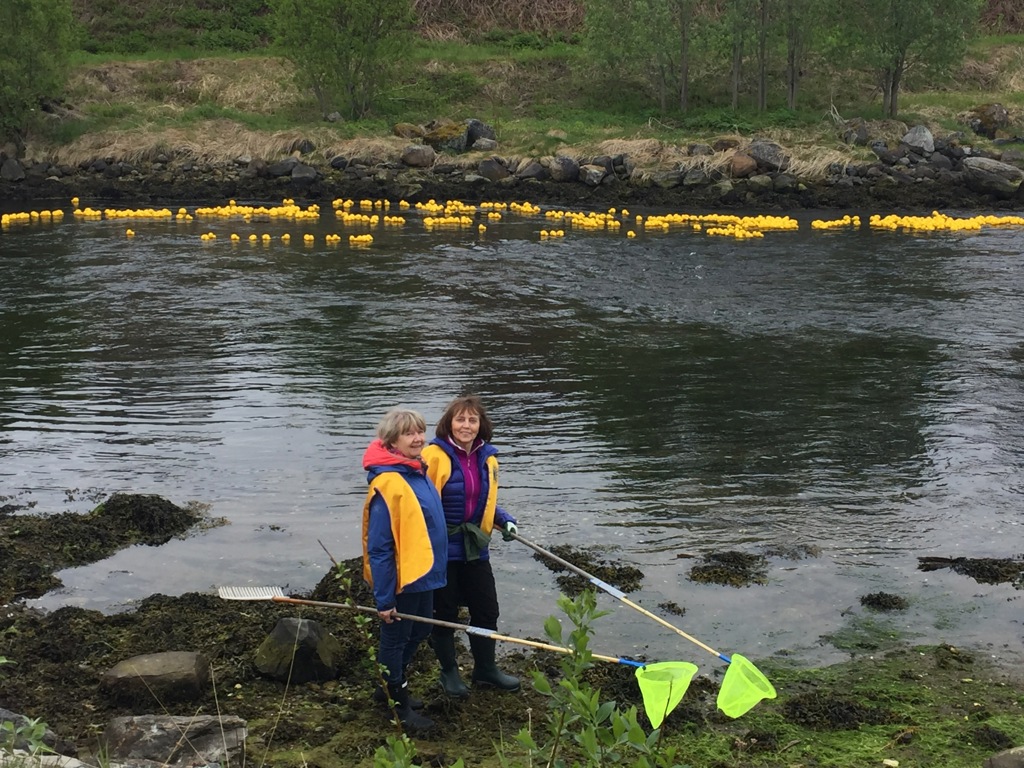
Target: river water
(855,394)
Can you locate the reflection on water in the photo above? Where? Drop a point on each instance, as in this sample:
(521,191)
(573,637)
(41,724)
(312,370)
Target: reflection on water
(659,396)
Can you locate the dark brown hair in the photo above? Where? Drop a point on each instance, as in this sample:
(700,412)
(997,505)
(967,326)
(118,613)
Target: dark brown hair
(464,403)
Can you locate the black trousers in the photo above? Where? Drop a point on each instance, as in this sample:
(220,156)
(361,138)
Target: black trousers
(470,584)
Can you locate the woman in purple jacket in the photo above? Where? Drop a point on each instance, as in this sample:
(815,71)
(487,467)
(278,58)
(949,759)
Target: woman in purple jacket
(464,467)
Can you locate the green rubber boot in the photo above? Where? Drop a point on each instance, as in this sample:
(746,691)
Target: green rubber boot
(485,670)
(451,682)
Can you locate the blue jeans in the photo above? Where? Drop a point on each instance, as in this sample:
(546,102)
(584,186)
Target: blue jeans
(400,639)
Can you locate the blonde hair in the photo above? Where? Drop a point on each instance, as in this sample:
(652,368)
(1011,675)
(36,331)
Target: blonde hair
(397,422)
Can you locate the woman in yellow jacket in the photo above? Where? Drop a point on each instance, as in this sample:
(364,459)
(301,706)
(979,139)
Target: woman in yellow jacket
(404,548)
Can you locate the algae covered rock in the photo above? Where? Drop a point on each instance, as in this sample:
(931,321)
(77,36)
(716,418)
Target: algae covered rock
(301,650)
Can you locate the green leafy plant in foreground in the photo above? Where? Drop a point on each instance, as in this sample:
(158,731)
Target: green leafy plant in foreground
(28,736)
(399,750)
(581,729)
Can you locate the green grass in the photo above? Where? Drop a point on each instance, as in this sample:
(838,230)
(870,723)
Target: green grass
(476,53)
(987,42)
(81,58)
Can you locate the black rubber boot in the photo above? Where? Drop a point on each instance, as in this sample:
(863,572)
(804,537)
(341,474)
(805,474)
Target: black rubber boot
(410,718)
(451,683)
(485,670)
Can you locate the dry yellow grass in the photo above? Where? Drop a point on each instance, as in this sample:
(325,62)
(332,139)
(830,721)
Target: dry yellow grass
(644,152)
(222,141)
(999,69)
(210,141)
(258,85)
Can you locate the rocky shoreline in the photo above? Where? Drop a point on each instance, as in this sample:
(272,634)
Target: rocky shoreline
(178,681)
(919,172)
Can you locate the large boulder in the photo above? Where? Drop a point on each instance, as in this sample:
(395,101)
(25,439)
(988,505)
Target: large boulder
(769,155)
(1009,758)
(531,169)
(176,742)
(856,132)
(299,650)
(282,167)
(419,156)
(448,136)
(408,131)
(920,139)
(988,119)
(493,169)
(592,174)
(304,174)
(667,179)
(760,184)
(991,177)
(564,168)
(476,130)
(11,170)
(158,678)
(742,165)
(301,147)
(18,724)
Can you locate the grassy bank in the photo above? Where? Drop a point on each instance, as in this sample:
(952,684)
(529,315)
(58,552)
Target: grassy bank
(537,96)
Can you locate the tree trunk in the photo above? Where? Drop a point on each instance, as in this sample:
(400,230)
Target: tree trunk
(737,65)
(684,61)
(792,75)
(792,54)
(894,96)
(762,58)
(886,92)
(662,88)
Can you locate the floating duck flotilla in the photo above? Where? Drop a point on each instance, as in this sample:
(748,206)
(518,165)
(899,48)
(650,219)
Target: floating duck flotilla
(456,215)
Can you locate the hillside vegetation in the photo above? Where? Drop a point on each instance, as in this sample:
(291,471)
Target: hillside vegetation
(520,68)
(138,26)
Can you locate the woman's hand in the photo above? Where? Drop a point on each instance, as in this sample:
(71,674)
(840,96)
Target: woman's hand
(388,615)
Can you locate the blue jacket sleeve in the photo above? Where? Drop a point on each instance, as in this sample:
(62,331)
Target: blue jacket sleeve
(501,517)
(381,550)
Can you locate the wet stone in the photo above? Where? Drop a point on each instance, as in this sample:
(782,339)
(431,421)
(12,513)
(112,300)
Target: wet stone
(625,577)
(731,568)
(883,601)
(984,570)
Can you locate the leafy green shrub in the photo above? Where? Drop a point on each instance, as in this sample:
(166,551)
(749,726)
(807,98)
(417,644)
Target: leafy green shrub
(227,39)
(581,729)
(27,736)
(344,51)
